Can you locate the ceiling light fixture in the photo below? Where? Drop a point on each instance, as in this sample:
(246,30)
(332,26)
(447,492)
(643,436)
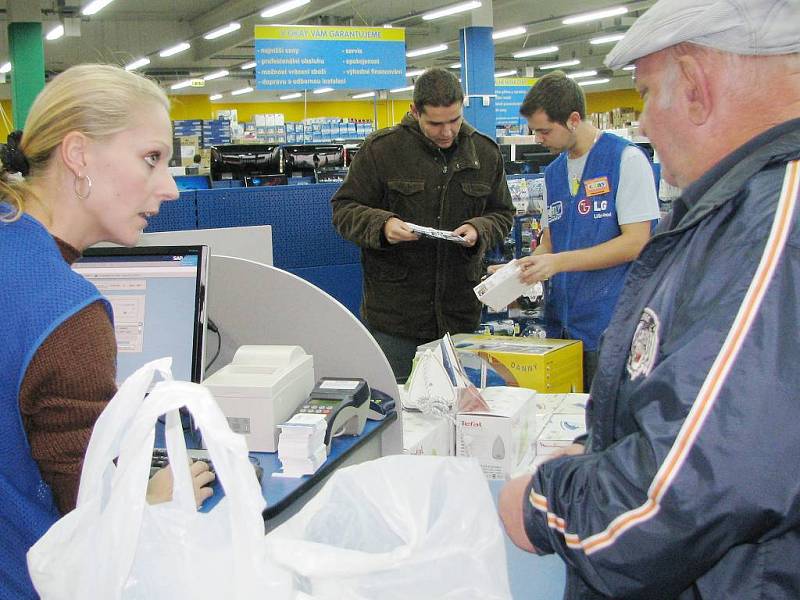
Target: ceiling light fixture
(426,50)
(181,84)
(215,97)
(535,51)
(229,28)
(216,75)
(283,7)
(414,72)
(248,65)
(364,95)
(581,74)
(450,10)
(142,62)
(176,49)
(291,96)
(505,73)
(455,66)
(95,7)
(607,39)
(241,91)
(402,89)
(507,33)
(594,81)
(629,68)
(323,90)
(5,68)
(595,15)
(55,33)
(563,63)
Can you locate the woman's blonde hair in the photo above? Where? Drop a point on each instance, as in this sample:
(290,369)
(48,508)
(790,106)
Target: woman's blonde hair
(96,100)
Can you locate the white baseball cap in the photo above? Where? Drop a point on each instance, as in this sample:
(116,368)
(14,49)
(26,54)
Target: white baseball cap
(747,27)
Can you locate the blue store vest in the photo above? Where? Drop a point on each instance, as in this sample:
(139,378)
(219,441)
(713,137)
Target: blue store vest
(580,304)
(38,292)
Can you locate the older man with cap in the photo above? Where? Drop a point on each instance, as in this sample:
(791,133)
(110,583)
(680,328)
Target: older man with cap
(689,484)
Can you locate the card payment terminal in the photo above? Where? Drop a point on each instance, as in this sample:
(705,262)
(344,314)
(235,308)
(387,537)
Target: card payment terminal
(344,402)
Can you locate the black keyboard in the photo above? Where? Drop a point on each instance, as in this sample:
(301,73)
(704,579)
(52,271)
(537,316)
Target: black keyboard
(160,460)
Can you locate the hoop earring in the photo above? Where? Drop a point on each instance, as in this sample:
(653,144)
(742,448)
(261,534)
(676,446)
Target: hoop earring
(78,194)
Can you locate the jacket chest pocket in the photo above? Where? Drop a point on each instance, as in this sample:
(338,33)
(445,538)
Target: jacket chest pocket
(405,196)
(475,195)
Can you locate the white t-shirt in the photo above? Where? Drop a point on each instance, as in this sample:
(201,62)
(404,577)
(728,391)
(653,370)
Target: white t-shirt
(636,197)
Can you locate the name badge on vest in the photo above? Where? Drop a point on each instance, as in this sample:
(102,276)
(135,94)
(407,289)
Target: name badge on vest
(597,186)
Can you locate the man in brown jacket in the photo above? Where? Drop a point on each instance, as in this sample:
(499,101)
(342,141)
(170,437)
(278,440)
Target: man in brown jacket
(435,170)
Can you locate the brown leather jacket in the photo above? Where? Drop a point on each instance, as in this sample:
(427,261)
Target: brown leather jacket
(423,289)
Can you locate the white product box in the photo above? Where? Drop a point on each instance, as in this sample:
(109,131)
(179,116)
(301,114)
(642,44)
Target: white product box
(559,432)
(503,286)
(573,404)
(502,439)
(424,434)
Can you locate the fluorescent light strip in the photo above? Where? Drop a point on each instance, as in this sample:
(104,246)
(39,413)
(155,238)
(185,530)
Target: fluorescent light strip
(181,84)
(364,95)
(241,91)
(215,97)
(629,68)
(5,68)
(229,28)
(142,62)
(291,96)
(322,91)
(414,72)
(55,33)
(607,39)
(451,10)
(507,33)
(535,51)
(283,7)
(594,81)
(95,7)
(402,89)
(176,49)
(248,65)
(563,63)
(580,74)
(595,15)
(505,73)
(216,75)
(455,66)
(426,50)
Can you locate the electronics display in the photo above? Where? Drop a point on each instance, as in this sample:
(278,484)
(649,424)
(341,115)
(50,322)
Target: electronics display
(265,180)
(157,294)
(192,182)
(307,158)
(343,401)
(237,161)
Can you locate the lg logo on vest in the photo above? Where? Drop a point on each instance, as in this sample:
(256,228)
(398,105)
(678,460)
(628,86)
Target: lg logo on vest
(599,207)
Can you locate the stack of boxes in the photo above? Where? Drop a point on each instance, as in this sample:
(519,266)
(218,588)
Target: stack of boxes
(188,134)
(216,132)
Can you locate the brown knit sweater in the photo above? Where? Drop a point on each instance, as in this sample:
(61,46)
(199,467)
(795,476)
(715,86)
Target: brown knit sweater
(68,383)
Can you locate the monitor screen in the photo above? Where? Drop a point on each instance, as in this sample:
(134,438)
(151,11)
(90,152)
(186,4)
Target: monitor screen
(237,161)
(157,294)
(192,182)
(309,157)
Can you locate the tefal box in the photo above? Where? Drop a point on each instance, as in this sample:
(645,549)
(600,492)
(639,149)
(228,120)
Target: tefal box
(545,365)
(427,434)
(502,438)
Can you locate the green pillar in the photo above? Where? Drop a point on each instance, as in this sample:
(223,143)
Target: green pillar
(26,49)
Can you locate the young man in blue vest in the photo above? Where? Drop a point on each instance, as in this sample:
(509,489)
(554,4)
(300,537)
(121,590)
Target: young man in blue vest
(601,205)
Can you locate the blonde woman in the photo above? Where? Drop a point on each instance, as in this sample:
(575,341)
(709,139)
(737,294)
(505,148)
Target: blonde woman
(89,166)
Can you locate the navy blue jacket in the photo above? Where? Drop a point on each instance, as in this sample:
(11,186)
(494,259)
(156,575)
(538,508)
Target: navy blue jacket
(690,487)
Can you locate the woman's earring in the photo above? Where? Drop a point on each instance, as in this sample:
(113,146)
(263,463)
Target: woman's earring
(83,196)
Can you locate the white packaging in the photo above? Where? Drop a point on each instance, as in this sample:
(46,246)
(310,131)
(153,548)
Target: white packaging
(503,286)
(573,404)
(429,435)
(559,432)
(502,439)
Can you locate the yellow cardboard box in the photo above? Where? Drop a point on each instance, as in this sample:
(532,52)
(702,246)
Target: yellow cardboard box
(548,366)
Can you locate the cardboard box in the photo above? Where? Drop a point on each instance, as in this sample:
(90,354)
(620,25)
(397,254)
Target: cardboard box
(424,434)
(502,439)
(545,365)
(559,432)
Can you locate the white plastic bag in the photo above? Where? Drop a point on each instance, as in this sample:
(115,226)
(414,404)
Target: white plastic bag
(397,528)
(114,545)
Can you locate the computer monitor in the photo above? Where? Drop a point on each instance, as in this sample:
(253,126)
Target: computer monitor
(157,294)
(307,158)
(237,161)
(192,182)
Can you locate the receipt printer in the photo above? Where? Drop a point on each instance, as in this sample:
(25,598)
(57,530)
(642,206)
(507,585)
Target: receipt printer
(262,387)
